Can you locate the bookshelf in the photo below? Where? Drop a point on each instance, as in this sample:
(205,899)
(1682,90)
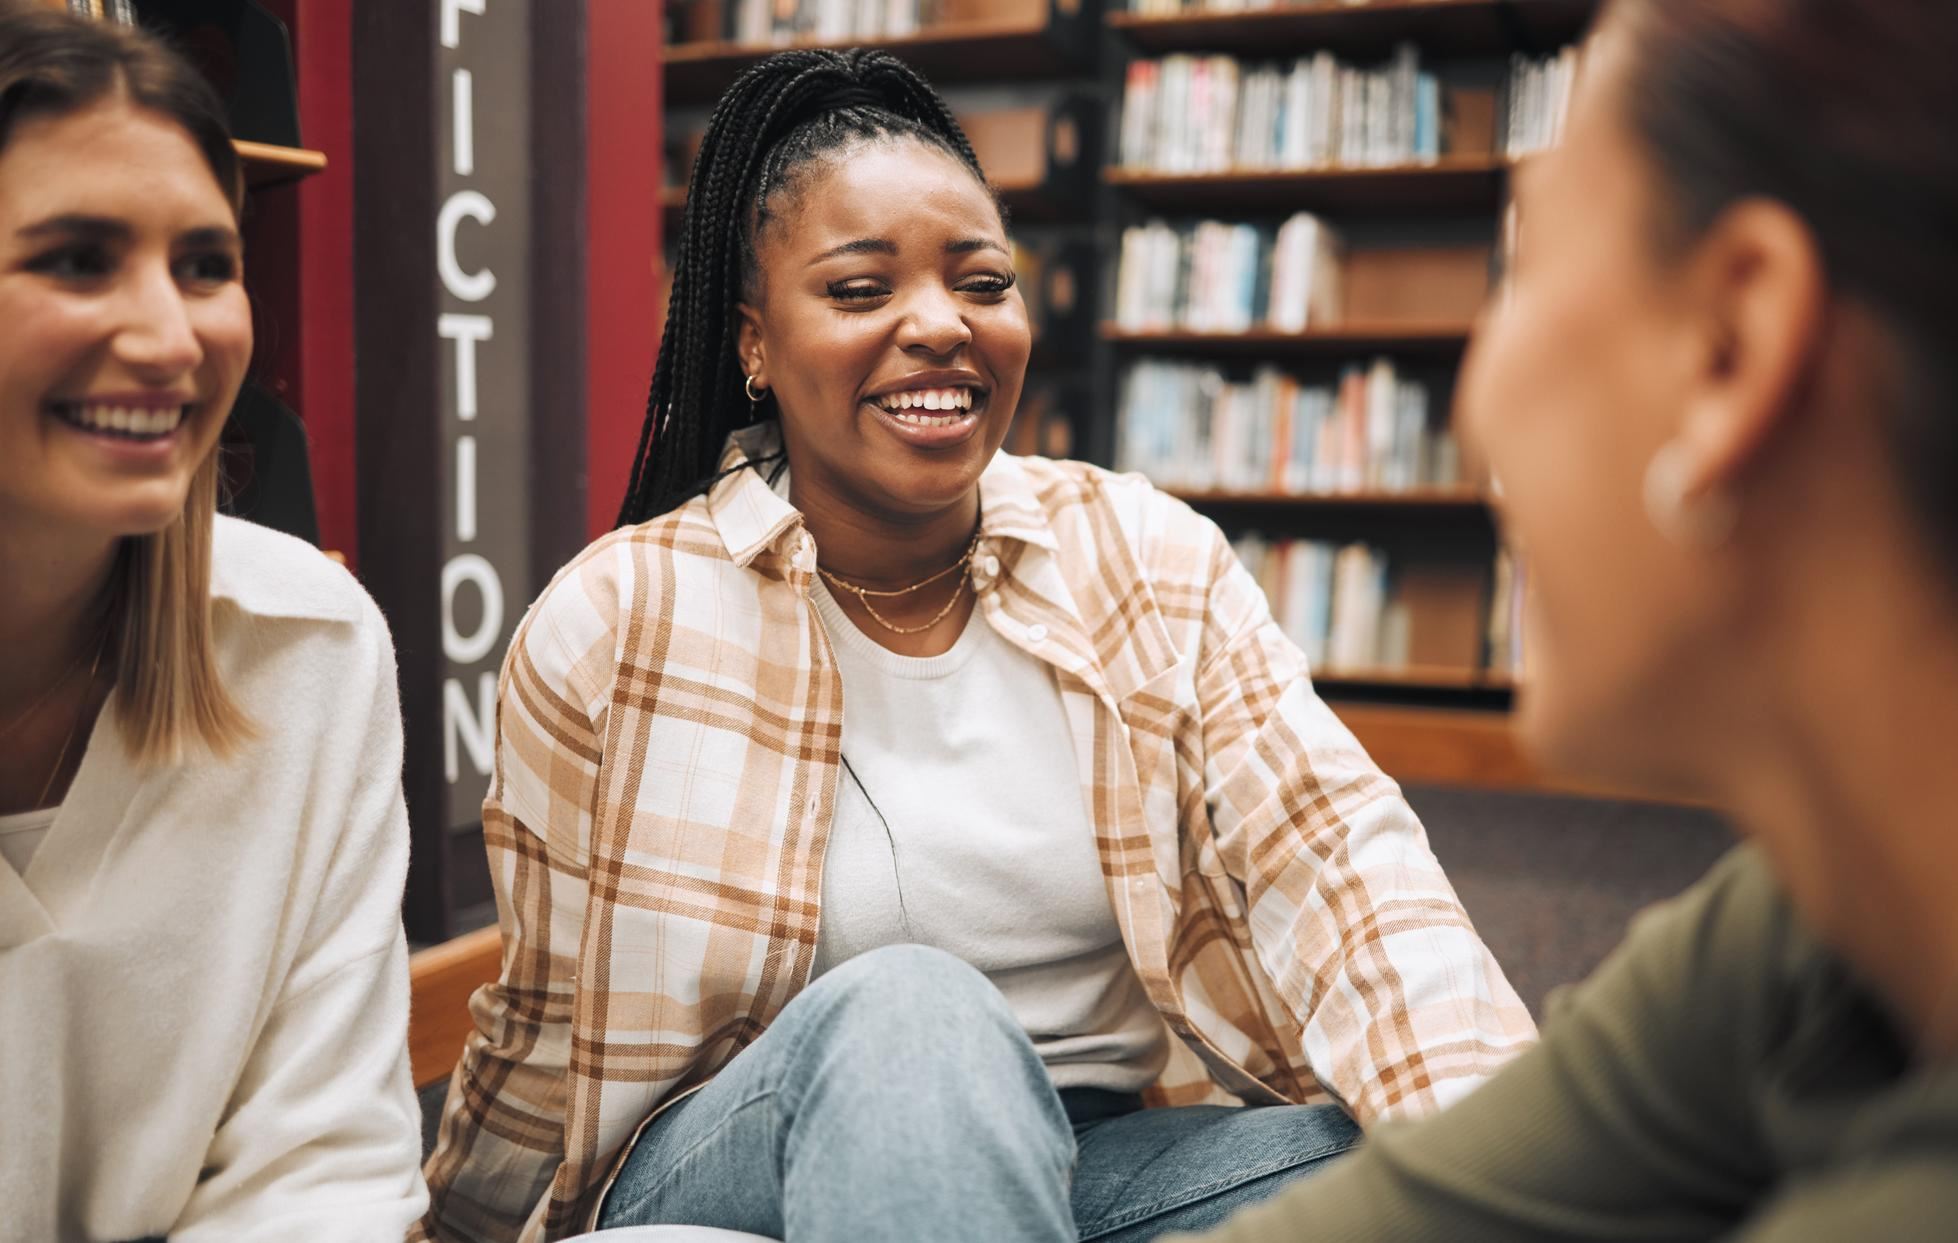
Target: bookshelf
(1442,340)
(1453,183)
(1457,500)
(973,41)
(1443,678)
(1416,240)
(1451,27)
(267,165)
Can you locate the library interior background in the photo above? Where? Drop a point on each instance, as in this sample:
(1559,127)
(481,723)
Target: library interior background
(1252,242)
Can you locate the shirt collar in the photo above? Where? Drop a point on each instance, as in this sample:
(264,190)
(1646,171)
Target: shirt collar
(753,518)
(269,574)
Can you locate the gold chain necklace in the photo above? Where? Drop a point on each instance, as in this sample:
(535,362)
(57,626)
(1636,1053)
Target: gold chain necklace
(863,594)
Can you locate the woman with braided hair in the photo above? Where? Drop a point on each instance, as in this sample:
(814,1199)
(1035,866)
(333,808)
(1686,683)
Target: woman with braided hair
(1005,950)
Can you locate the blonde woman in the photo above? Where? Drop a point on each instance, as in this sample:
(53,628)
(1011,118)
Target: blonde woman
(203,987)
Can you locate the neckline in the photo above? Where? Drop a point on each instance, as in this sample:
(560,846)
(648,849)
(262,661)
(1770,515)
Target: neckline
(24,821)
(844,634)
(58,879)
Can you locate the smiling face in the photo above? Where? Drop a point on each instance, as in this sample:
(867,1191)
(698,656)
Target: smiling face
(128,329)
(887,326)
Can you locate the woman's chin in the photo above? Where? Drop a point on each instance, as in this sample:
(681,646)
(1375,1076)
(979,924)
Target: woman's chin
(1598,745)
(134,517)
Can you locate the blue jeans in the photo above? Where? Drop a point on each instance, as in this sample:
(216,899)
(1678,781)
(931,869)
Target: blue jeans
(896,1098)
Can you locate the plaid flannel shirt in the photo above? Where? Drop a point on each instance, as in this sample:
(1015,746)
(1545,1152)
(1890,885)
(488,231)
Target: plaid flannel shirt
(668,734)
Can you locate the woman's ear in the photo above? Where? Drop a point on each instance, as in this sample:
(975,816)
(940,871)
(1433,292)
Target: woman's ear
(748,346)
(1759,292)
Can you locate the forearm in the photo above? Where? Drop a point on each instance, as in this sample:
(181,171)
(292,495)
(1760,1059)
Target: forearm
(324,1136)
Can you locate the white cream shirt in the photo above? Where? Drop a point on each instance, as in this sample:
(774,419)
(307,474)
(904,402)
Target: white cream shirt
(203,978)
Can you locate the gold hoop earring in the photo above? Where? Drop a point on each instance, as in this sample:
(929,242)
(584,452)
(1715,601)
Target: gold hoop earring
(748,387)
(1705,521)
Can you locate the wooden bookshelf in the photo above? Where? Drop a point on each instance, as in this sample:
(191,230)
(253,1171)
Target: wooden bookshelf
(1342,341)
(1475,748)
(1446,27)
(969,51)
(267,165)
(1416,678)
(1451,184)
(1470,500)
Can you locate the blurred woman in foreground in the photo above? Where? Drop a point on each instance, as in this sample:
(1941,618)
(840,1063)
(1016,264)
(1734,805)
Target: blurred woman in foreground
(1721,394)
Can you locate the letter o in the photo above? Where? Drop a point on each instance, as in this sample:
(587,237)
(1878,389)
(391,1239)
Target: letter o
(471,568)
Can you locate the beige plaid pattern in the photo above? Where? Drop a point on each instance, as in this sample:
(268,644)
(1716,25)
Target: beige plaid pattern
(666,766)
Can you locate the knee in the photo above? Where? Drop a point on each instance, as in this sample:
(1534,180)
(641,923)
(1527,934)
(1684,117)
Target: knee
(917,997)
(900,978)
(911,1030)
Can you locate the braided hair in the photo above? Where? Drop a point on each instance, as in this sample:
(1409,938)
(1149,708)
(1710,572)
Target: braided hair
(777,121)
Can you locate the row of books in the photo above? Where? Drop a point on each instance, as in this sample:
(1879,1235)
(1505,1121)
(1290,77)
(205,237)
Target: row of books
(1207,114)
(1188,427)
(1356,613)
(786,21)
(1539,96)
(1219,277)
(1336,602)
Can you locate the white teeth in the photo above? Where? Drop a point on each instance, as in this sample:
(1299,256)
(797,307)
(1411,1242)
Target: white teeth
(928,399)
(128,420)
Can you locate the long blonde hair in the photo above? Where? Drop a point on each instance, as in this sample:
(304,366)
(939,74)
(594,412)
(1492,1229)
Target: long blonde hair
(168,688)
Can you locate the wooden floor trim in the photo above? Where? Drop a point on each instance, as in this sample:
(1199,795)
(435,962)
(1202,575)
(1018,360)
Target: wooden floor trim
(441,978)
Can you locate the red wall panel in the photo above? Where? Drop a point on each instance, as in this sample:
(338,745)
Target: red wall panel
(624,138)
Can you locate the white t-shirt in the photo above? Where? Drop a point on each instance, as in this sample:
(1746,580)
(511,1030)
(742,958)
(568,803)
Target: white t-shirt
(989,854)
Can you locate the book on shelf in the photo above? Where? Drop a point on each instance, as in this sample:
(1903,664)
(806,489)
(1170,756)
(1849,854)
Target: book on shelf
(1187,114)
(1505,649)
(770,22)
(1189,428)
(1538,95)
(1353,610)
(1219,277)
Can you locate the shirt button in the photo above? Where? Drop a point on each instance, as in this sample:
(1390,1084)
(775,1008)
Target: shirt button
(991,566)
(1036,633)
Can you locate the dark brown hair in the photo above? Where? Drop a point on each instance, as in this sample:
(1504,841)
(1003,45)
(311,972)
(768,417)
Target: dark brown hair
(168,689)
(1847,112)
(52,63)
(780,118)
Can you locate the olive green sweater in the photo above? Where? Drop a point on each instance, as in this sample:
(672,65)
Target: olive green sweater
(1722,1077)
